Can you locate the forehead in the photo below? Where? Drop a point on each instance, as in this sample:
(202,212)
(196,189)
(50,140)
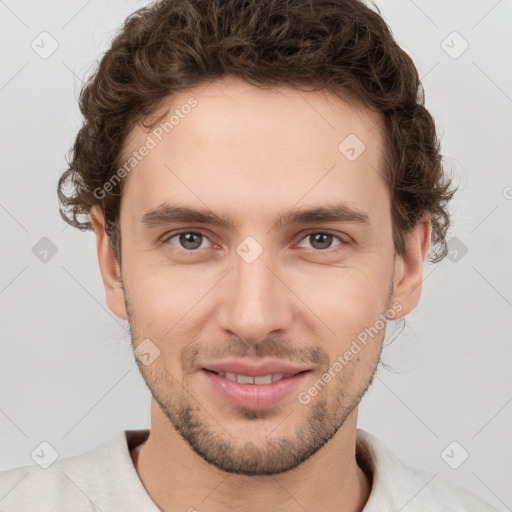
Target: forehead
(243,147)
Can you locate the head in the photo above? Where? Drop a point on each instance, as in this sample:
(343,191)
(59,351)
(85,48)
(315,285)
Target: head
(264,182)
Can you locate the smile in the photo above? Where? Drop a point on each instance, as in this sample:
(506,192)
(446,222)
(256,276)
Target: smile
(247,379)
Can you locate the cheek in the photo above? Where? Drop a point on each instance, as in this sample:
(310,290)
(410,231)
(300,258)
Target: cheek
(351,295)
(350,303)
(172,301)
(167,300)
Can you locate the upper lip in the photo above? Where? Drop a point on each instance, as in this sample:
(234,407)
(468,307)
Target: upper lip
(255,369)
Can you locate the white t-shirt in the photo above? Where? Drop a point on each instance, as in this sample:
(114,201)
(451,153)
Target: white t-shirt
(104,479)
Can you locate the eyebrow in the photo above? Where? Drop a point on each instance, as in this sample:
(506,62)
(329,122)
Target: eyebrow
(167,213)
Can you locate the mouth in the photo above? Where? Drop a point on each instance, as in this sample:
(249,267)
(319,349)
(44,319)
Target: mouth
(254,386)
(259,379)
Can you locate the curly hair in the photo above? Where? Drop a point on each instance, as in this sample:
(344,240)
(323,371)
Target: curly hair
(341,46)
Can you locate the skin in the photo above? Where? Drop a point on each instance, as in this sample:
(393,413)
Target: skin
(252,154)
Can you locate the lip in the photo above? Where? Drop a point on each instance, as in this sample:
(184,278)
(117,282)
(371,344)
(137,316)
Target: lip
(255,369)
(254,396)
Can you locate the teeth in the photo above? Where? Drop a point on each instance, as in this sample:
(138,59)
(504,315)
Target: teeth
(244,379)
(262,379)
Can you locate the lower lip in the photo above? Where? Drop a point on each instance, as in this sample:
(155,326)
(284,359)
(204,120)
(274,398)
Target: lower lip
(254,396)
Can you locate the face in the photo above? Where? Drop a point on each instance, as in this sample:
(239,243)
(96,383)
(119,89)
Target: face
(258,269)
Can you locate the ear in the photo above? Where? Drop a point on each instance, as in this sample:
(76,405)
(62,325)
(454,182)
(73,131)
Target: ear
(110,271)
(409,267)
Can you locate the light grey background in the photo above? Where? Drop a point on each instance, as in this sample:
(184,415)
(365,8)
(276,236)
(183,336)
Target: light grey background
(67,374)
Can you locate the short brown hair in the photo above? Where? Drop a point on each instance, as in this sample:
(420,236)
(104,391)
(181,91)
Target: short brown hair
(341,46)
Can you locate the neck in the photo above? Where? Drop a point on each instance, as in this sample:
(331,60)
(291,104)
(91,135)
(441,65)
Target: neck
(176,478)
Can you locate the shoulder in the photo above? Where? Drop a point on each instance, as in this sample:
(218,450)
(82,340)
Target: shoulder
(69,483)
(54,488)
(397,485)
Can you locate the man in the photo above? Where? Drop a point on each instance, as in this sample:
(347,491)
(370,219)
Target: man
(264,184)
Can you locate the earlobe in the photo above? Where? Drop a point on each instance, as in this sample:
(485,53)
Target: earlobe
(109,267)
(409,266)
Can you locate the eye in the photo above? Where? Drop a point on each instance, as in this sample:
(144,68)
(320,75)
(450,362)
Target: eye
(192,241)
(322,240)
(188,240)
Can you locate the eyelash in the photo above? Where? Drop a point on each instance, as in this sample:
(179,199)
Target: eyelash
(318,251)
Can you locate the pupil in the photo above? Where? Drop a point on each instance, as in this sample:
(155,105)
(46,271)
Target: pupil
(187,240)
(324,239)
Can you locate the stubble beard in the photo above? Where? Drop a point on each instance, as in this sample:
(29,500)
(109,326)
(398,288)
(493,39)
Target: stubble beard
(324,416)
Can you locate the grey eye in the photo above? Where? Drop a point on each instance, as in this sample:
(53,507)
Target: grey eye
(321,240)
(188,240)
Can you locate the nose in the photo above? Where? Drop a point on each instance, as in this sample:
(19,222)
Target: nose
(256,301)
